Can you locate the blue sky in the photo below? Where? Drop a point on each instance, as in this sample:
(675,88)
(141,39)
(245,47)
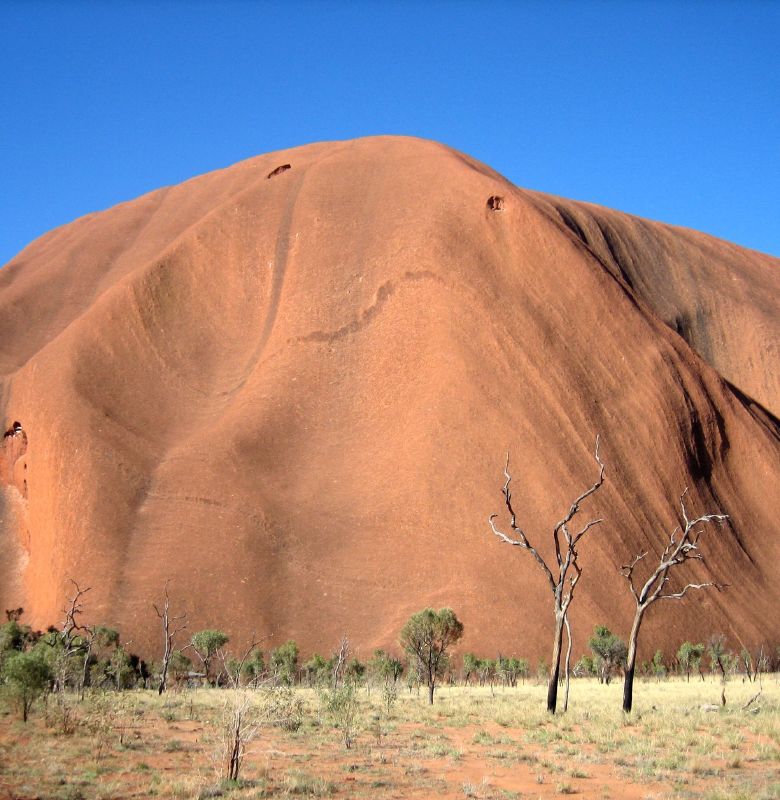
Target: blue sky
(669,110)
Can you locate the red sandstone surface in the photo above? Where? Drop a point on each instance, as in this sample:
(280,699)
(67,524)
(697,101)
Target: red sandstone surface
(291,391)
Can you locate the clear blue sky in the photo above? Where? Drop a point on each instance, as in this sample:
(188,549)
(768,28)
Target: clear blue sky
(669,110)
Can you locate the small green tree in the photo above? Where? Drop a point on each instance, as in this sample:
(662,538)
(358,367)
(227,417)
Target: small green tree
(28,676)
(254,667)
(343,706)
(317,670)
(98,643)
(486,671)
(206,645)
(384,668)
(120,669)
(690,655)
(659,668)
(470,666)
(13,636)
(509,670)
(426,637)
(284,663)
(355,670)
(179,666)
(609,650)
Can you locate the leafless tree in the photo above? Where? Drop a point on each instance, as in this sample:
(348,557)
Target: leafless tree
(683,546)
(172,625)
(340,661)
(240,724)
(566,572)
(73,637)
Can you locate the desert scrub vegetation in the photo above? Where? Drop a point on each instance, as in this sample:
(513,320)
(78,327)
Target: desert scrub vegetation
(495,743)
(82,716)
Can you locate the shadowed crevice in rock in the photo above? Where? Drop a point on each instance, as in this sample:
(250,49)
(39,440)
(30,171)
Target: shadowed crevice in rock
(279,170)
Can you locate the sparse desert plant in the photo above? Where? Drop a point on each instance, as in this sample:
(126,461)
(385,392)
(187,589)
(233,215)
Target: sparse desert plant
(238,727)
(317,670)
(13,636)
(609,652)
(426,637)
(301,783)
(389,696)
(486,669)
(282,707)
(470,666)
(659,668)
(284,663)
(690,655)
(206,644)
(342,706)
(242,715)
(27,677)
(510,669)
(253,669)
(383,667)
(179,666)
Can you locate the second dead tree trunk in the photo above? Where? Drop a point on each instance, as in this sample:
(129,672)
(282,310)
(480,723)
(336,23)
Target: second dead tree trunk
(683,546)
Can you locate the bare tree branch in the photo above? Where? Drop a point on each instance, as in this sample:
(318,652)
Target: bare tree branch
(575,506)
(682,592)
(523,542)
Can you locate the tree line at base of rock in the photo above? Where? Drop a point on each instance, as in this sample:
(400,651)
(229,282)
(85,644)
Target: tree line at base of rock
(76,656)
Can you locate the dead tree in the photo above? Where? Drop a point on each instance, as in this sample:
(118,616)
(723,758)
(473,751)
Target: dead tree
(683,546)
(567,571)
(172,625)
(74,638)
(340,661)
(240,726)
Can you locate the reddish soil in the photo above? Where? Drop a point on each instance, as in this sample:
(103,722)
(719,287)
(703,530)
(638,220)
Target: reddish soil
(291,391)
(179,758)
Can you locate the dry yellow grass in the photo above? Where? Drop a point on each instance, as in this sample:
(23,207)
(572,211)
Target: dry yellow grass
(471,743)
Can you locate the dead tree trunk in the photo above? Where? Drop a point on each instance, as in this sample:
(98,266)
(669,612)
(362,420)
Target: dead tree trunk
(555,665)
(340,663)
(567,573)
(73,638)
(628,682)
(171,626)
(682,547)
(567,664)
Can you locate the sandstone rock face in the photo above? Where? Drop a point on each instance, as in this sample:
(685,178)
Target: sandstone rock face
(289,387)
